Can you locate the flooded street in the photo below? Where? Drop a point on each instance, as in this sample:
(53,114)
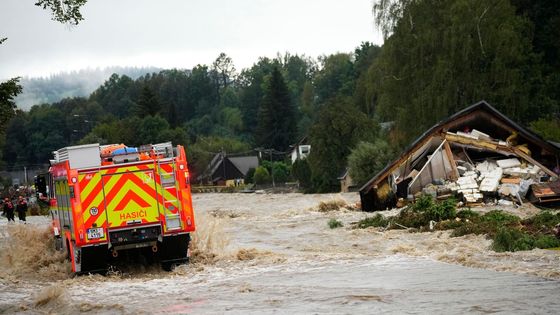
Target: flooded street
(258,253)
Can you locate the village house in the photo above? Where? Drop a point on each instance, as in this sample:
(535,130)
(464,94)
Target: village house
(300,150)
(228,170)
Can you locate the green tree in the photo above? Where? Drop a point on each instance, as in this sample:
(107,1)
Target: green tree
(548,128)
(335,78)
(331,146)
(224,70)
(251,85)
(280,172)
(150,130)
(203,93)
(115,96)
(367,159)
(302,173)
(232,120)
(148,103)
(67,11)
(364,56)
(15,146)
(8,90)
(276,125)
(261,176)
(249,176)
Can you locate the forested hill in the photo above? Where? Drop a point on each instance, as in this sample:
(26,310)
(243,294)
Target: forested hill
(70,84)
(438,58)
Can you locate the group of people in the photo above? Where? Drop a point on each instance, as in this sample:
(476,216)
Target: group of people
(10,208)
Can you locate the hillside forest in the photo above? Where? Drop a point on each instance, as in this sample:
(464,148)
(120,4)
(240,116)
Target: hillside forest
(356,109)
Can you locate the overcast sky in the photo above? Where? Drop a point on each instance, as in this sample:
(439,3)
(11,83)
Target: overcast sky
(178,33)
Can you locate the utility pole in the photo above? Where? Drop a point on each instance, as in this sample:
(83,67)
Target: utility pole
(224,164)
(272,169)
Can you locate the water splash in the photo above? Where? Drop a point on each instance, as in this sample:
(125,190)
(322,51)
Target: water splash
(28,252)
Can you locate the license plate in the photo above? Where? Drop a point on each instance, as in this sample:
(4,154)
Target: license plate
(95,233)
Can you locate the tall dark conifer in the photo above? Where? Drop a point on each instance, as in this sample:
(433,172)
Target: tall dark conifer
(148,103)
(276,127)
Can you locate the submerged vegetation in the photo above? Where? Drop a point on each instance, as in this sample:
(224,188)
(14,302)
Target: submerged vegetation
(334,223)
(508,232)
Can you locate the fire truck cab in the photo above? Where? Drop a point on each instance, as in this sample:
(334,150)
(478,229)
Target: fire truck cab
(106,200)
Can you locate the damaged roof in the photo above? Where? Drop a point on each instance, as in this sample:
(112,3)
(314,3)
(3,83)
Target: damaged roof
(480,116)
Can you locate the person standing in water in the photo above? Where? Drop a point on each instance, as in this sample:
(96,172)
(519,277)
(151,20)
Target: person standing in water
(9,209)
(21,208)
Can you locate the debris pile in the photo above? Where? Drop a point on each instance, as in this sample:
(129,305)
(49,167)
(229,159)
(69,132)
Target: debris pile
(477,155)
(504,182)
(503,176)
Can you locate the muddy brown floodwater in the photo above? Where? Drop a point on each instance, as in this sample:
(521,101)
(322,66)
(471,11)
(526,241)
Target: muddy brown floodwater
(261,253)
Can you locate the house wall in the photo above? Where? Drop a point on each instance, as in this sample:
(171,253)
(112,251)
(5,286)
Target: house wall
(301,151)
(346,184)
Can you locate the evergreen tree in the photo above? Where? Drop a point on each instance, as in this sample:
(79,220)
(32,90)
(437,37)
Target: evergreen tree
(276,119)
(8,90)
(148,103)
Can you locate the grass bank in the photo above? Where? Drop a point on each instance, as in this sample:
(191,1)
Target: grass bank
(508,232)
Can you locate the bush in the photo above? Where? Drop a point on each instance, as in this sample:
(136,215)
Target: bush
(468,214)
(280,172)
(425,210)
(423,203)
(334,223)
(249,176)
(367,159)
(442,211)
(477,228)
(261,176)
(449,225)
(543,219)
(376,221)
(547,241)
(500,218)
(511,240)
(412,219)
(488,224)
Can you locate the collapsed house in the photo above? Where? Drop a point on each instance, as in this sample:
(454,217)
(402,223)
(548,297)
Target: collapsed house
(478,156)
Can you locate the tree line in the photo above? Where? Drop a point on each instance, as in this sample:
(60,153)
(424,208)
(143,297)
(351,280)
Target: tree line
(438,57)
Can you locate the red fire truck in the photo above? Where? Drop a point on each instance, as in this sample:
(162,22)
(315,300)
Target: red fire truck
(106,200)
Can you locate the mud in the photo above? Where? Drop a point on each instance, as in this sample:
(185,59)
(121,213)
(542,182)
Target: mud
(258,253)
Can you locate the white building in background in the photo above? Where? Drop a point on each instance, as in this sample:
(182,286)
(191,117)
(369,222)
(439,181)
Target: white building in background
(300,150)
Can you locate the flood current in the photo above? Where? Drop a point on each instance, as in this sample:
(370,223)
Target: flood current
(259,253)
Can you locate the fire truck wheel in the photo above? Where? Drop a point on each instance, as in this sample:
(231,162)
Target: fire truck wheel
(58,243)
(169,266)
